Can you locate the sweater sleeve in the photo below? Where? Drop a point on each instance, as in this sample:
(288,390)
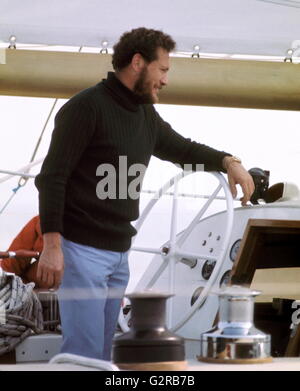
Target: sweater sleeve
(73,130)
(177,149)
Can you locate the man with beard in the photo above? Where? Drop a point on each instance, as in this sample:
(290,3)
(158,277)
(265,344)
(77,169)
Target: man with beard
(85,203)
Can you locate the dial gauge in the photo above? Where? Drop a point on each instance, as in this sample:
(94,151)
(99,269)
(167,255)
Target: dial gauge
(235,249)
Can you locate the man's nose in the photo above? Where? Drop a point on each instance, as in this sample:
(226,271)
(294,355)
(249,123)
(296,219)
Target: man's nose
(164,80)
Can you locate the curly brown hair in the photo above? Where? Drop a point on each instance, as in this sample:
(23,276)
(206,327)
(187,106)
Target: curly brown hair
(141,40)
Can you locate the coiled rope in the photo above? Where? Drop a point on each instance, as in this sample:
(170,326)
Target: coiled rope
(20,311)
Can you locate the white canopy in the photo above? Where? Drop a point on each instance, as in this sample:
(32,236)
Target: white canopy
(256,27)
(228,27)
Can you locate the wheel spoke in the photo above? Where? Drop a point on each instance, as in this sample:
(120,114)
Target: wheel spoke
(195,221)
(157,196)
(172,259)
(188,254)
(146,250)
(156,275)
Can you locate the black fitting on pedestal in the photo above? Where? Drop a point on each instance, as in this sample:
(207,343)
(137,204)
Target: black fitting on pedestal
(148,339)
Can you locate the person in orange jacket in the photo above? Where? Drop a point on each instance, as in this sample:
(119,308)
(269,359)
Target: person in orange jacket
(29,238)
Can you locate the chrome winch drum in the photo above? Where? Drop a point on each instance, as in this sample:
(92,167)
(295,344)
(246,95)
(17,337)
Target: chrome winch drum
(50,308)
(235,339)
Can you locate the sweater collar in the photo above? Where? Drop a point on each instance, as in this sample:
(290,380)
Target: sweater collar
(123,95)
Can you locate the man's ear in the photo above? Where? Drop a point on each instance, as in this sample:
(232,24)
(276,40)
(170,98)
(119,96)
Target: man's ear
(138,62)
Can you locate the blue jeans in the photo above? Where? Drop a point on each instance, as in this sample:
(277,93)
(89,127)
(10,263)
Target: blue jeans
(90,295)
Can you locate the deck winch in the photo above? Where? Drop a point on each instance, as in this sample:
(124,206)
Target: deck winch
(235,339)
(149,345)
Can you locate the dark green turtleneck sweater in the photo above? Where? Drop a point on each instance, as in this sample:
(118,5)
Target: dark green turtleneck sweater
(96,127)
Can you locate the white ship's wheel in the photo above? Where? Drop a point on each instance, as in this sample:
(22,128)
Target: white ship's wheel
(172,252)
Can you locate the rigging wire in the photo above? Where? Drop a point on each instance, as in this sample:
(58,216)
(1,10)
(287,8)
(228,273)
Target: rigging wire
(20,172)
(23,180)
(286,3)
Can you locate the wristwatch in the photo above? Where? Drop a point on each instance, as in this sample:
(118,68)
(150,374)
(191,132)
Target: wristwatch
(231,159)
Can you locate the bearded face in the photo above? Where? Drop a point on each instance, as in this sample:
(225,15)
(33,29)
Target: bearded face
(143,87)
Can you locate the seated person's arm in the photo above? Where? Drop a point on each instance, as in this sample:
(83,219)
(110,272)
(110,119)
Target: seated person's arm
(25,240)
